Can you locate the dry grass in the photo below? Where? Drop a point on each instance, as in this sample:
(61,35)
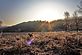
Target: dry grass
(44,43)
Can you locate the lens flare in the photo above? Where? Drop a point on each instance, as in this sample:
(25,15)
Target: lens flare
(29,42)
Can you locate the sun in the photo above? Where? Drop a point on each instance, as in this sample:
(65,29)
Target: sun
(47,12)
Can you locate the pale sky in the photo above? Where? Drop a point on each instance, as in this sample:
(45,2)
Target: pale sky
(16,11)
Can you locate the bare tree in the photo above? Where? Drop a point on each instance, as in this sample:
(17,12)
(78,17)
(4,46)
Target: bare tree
(80,7)
(0,23)
(76,20)
(75,15)
(1,29)
(66,20)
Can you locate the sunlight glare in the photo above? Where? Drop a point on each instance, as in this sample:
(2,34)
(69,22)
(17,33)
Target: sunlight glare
(45,12)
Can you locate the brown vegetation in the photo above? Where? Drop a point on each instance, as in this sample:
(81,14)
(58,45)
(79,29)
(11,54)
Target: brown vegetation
(44,43)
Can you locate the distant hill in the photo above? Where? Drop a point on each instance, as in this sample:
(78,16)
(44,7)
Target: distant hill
(3,27)
(43,26)
(31,26)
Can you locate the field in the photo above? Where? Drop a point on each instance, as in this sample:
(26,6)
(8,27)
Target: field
(41,43)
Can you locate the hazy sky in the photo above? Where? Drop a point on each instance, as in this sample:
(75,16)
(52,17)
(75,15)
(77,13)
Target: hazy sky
(17,11)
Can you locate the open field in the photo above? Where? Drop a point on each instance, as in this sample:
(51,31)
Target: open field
(43,43)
